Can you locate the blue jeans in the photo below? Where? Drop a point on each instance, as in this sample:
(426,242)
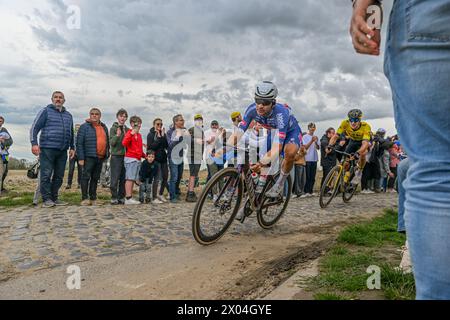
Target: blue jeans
(402,171)
(176,173)
(417,64)
(53,165)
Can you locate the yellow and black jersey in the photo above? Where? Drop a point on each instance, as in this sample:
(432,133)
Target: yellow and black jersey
(363,133)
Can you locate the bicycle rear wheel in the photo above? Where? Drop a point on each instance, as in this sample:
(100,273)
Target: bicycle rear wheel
(330,187)
(272,209)
(217,206)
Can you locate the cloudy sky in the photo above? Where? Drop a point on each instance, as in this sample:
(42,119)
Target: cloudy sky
(162,57)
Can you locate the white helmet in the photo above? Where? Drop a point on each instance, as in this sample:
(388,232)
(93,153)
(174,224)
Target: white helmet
(266,90)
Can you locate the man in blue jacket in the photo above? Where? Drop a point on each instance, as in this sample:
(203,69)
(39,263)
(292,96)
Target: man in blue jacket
(55,125)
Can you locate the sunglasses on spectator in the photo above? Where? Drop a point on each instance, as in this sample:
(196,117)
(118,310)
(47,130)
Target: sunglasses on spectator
(95,114)
(158,124)
(264,102)
(355,120)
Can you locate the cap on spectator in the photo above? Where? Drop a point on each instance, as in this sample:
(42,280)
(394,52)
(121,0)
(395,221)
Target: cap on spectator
(214,122)
(198,117)
(235,114)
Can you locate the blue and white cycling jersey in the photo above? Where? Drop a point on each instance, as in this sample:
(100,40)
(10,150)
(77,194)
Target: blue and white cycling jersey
(281,119)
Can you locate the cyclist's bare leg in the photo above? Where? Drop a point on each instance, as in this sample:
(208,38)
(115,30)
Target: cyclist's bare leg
(290,150)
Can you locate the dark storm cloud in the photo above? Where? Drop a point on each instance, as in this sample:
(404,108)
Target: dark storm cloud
(303,46)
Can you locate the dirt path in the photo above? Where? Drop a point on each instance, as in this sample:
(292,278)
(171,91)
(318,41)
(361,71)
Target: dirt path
(248,263)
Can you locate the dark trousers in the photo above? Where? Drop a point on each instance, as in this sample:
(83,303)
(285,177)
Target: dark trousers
(311,170)
(91,174)
(5,173)
(391,181)
(145,190)
(53,165)
(299,180)
(72,163)
(326,170)
(176,174)
(371,172)
(117,168)
(163,178)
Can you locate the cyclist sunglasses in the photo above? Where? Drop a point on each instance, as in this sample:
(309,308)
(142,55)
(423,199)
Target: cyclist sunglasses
(264,102)
(355,120)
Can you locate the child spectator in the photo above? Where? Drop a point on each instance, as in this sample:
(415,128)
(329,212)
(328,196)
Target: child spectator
(147,174)
(133,155)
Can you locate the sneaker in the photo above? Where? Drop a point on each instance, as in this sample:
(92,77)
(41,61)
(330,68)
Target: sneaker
(275,191)
(131,202)
(240,215)
(85,203)
(357,179)
(161,198)
(313,194)
(157,201)
(365,191)
(114,202)
(48,204)
(60,203)
(191,197)
(405,264)
(306,195)
(122,201)
(68,187)
(174,200)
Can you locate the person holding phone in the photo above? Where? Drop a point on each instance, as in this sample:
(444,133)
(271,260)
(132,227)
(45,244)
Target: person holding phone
(157,142)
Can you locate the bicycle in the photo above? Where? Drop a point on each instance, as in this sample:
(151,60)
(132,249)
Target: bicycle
(339,180)
(213,217)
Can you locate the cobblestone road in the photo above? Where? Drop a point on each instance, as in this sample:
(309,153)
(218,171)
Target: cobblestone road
(37,238)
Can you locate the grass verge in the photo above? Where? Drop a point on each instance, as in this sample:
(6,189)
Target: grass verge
(343,271)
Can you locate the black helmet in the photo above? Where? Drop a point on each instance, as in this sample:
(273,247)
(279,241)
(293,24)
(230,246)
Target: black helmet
(355,113)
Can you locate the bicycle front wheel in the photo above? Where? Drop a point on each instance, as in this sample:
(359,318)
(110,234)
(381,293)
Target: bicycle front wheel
(272,209)
(330,187)
(217,206)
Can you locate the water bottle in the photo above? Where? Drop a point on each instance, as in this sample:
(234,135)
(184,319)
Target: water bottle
(261,184)
(255,178)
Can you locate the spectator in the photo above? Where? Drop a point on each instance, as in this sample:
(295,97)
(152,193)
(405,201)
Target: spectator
(417,65)
(328,157)
(37,192)
(55,125)
(175,138)
(394,153)
(370,180)
(92,151)
(385,171)
(104,175)
(310,141)
(300,172)
(236,118)
(214,141)
(73,162)
(157,142)
(5,145)
(117,163)
(133,156)
(147,175)
(197,137)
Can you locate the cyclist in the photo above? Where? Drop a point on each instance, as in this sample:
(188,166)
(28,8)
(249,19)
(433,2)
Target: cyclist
(359,135)
(274,116)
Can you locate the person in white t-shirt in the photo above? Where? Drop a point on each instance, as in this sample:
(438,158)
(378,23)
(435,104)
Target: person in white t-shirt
(311,143)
